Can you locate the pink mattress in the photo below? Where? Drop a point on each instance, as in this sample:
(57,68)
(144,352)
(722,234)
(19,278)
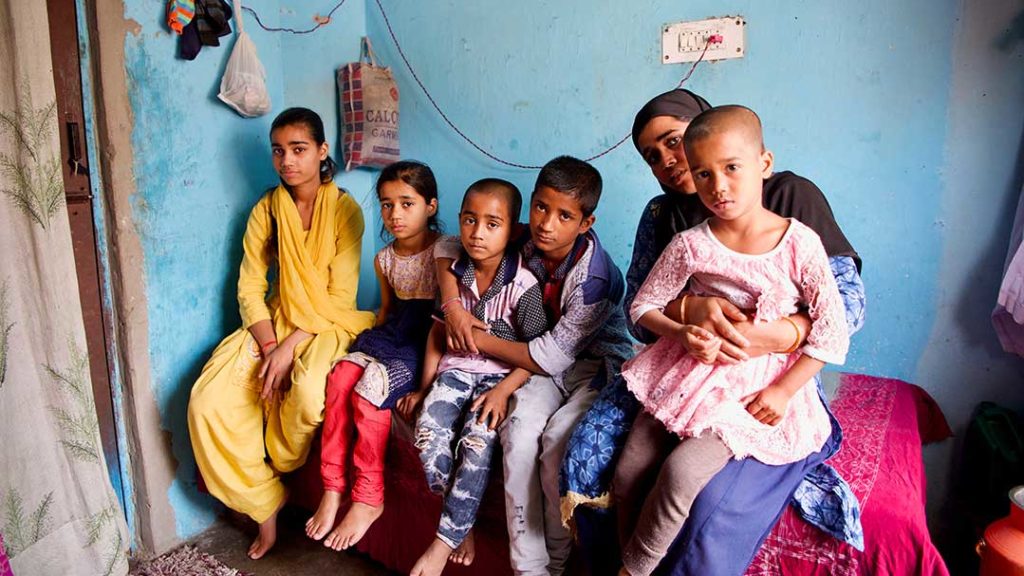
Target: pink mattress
(885,422)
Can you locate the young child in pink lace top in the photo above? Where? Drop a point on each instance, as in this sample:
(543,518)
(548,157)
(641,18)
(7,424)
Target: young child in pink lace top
(698,414)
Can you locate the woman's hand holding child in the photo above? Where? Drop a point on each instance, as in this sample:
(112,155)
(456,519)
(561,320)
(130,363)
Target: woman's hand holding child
(717,315)
(701,344)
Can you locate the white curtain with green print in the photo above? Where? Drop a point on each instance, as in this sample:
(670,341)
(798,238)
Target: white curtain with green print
(58,512)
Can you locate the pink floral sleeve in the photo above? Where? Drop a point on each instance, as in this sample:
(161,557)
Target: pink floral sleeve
(667,279)
(827,340)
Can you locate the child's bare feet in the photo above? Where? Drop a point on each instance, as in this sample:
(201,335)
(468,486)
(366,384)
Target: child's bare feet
(353,526)
(466,551)
(267,536)
(432,562)
(323,520)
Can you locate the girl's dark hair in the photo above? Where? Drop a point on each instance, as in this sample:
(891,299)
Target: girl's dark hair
(417,176)
(312,121)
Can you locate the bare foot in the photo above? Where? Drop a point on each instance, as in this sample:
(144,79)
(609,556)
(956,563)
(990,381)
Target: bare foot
(432,562)
(466,551)
(353,526)
(323,520)
(268,535)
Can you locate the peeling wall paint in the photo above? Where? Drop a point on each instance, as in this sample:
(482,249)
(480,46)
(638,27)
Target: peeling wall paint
(199,168)
(124,482)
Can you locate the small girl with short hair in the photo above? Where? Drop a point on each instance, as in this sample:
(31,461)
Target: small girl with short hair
(384,362)
(696,415)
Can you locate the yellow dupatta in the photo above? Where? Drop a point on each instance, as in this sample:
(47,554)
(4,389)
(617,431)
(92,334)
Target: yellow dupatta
(304,264)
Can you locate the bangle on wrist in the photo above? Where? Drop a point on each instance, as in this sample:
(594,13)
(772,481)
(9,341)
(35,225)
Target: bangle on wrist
(682,309)
(799,336)
(265,345)
(448,302)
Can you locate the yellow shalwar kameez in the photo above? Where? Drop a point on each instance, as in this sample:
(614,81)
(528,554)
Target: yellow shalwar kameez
(233,431)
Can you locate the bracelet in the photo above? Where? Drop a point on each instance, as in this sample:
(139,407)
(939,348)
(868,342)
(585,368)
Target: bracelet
(799,336)
(448,302)
(682,309)
(263,347)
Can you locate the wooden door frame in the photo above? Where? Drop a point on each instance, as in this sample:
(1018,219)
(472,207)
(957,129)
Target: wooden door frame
(150,467)
(80,198)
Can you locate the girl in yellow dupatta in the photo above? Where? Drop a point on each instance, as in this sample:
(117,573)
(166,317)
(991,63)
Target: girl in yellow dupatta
(262,392)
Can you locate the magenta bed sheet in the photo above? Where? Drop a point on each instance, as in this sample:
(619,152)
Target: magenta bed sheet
(885,422)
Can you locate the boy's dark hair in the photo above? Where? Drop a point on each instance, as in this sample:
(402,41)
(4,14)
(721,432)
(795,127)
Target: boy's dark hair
(715,120)
(503,188)
(417,176)
(574,177)
(312,121)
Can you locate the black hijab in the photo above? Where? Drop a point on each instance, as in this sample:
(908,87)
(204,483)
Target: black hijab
(785,193)
(680,103)
(678,211)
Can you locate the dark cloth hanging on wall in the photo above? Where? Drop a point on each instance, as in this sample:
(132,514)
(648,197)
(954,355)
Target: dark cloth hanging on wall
(211,21)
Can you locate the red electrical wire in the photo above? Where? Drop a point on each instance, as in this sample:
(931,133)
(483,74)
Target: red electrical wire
(711,40)
(391,31)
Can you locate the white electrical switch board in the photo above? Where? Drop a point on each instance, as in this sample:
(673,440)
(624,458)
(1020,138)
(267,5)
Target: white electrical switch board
(685,41)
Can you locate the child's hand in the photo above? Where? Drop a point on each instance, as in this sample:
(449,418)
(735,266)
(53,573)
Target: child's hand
(493,406)
(407,404)
(459,324)
(700,343)
(275,370)
(718,315)
(768,405)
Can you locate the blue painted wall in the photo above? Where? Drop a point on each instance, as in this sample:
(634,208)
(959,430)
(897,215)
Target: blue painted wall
(908,115)
(864,121)
(199,168)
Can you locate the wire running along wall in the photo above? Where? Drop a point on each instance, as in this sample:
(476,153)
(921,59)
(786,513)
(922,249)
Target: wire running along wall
(322,21)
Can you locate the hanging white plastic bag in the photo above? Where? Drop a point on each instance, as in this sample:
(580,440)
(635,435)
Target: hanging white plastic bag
(244,86)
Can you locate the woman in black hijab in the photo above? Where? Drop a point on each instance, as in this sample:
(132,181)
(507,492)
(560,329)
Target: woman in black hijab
(658,136)
(737,510)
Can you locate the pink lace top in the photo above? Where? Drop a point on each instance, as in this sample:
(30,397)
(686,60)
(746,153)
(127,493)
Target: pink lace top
(690,397)
(412,277)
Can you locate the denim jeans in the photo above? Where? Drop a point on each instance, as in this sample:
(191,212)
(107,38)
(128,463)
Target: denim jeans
(457,470)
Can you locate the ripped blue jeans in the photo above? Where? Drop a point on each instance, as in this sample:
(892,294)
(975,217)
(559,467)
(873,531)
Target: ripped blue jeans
(457,469)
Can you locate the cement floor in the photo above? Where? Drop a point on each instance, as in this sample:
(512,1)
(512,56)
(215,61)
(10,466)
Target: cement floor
(293,555)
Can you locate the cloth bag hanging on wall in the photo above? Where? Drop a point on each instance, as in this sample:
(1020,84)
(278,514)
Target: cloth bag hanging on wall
(369,111)
(244,86)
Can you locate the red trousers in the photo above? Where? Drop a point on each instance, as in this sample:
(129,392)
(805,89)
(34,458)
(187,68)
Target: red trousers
(353,425)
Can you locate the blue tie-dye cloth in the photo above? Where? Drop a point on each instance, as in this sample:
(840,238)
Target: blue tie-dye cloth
(823,498)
